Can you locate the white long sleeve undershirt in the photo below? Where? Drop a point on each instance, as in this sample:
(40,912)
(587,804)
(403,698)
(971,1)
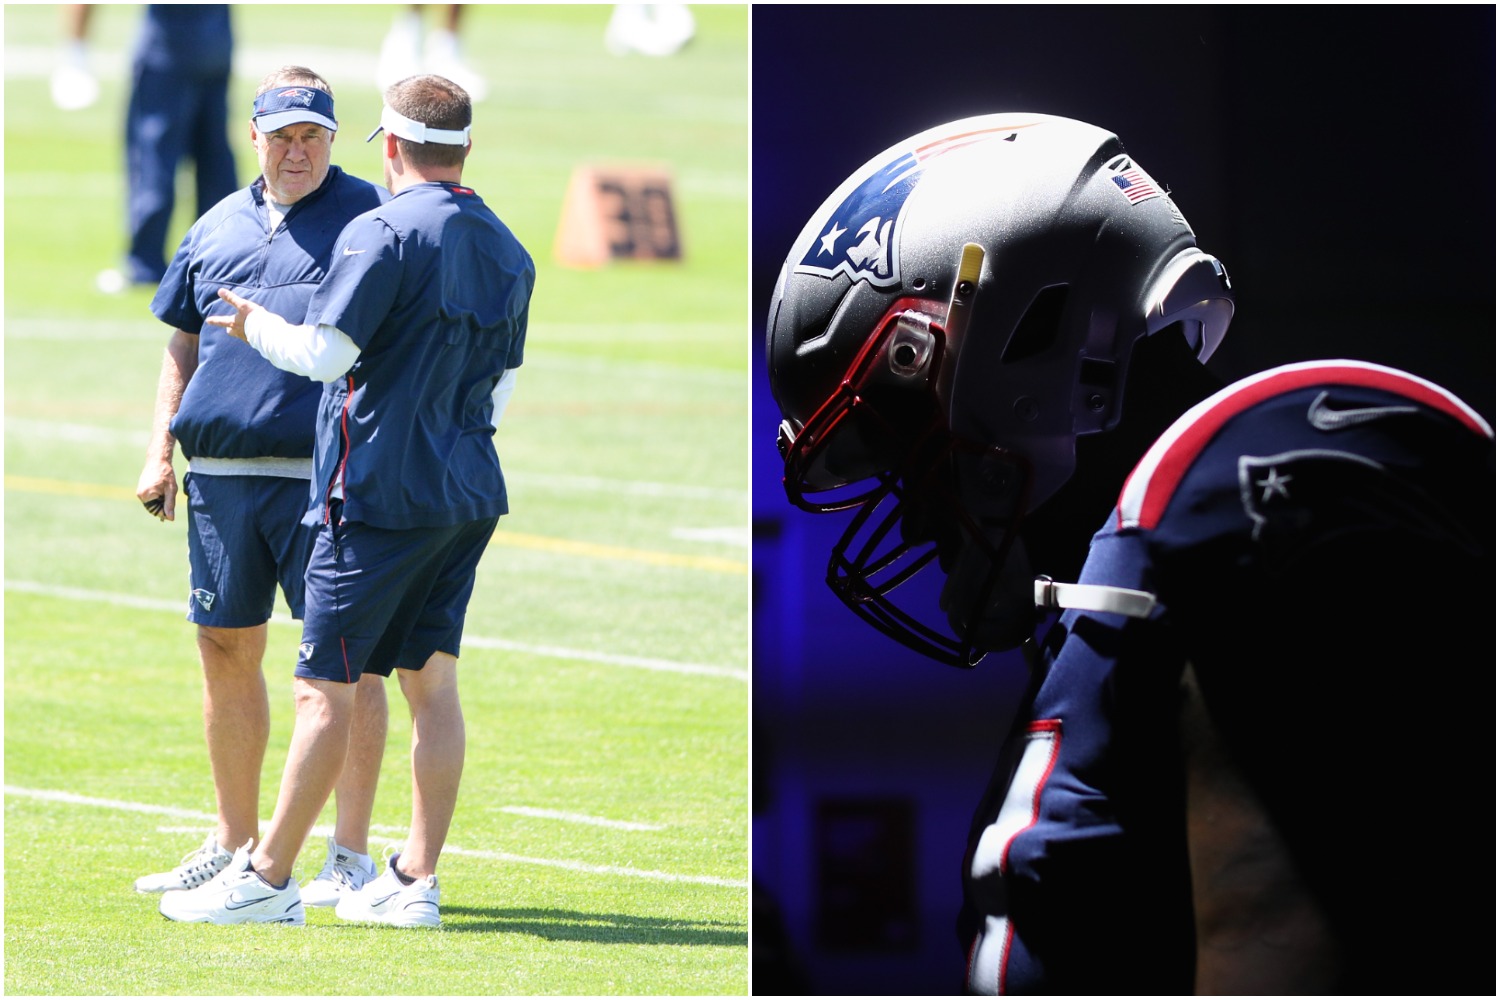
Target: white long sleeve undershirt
(502,392)
(324,353)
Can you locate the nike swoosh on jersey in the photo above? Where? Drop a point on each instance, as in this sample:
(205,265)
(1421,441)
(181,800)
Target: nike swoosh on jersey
(1327,418)
(351,253)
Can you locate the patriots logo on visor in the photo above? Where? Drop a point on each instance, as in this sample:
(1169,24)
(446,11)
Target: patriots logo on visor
(859,238)
(298,96)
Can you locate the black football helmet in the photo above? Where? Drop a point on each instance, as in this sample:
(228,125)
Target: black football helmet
(949,321)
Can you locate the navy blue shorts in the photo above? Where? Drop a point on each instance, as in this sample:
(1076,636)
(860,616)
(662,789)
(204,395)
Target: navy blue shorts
(245,535)
(379,598)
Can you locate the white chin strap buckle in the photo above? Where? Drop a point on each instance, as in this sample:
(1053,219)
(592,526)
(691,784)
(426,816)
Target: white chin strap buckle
(1093,597)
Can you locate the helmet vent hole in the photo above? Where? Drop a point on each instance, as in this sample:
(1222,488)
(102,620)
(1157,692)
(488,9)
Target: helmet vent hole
(1040,327)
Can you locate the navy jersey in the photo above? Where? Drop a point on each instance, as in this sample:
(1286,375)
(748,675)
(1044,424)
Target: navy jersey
(238,405)
(1305,532)
(435,291)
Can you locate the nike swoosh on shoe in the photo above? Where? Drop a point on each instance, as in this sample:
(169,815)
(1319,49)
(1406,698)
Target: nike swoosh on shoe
(239,903)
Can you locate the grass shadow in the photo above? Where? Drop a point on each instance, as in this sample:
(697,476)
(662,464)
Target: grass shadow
(598,928)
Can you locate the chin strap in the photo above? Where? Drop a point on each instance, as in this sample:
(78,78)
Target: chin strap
(1093,597)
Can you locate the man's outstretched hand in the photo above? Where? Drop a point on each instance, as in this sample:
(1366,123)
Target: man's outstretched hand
(233,325)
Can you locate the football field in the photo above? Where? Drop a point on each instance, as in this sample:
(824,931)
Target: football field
(601,841)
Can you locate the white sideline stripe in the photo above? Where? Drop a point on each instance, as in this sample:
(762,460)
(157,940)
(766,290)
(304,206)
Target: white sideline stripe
(477,641)
(596,484)
(575,866)
(250,62)
(88,434)
(567,817)
(579,866)
(531,811)
(84,800)
(317,831)
(738,534)
(610,659)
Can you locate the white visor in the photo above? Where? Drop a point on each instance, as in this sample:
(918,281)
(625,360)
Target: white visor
(398,124)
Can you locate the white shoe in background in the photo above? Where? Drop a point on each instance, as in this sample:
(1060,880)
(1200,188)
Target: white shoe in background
(652,29)
(400,51)
(345,871)
(198,867)
(445,58)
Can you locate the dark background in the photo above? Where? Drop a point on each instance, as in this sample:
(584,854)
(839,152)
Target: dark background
(1339,160)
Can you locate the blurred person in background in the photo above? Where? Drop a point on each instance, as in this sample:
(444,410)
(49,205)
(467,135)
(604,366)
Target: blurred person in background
(179,109)
(73,83)
(649,29)
(403,54)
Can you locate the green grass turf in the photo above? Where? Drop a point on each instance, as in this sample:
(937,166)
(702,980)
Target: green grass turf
(604,673)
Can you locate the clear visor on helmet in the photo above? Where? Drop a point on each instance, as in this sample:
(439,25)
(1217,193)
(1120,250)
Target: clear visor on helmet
(865,432)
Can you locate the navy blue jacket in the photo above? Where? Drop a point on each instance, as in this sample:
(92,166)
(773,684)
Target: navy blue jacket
(237,404)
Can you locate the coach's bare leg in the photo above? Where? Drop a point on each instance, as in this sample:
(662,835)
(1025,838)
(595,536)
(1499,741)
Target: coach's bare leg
(320,742)
(236,725)
(355,790)
(437,759)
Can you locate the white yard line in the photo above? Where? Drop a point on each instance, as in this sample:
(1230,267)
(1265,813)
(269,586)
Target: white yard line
(477,641)
(70,798)
(52,430)
(567,817)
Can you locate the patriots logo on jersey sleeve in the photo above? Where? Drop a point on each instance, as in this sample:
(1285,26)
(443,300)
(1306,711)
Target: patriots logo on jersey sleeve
(860,237)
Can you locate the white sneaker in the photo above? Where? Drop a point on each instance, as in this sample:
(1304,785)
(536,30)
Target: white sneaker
(345,871)
(652,29)
(111,281)
(74,87)
(237,895)
(197,868)
(400,50)
(386,900)
(446,59)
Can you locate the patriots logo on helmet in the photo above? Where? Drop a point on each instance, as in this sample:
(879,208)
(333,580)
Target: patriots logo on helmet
(858,238)
(298,95)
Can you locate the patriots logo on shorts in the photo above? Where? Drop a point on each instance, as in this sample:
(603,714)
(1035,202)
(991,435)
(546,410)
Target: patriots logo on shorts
(298,96)
(305,652)
(204,598)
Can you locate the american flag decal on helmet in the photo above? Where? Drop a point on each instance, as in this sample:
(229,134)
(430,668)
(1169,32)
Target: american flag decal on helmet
(1134,183)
